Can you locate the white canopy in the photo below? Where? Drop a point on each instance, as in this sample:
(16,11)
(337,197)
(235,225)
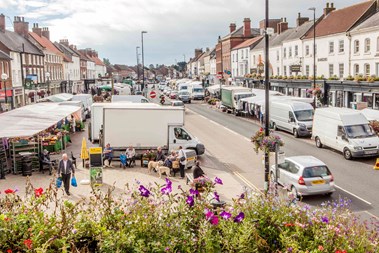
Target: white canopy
(61,97)
(370,114)
(33,119)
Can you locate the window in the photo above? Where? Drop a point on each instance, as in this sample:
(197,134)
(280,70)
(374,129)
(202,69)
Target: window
(367,69)
(331,70)
(341,68)
(356,46)
(285,71)
(367,45)
(289,166)
(290,52)
(296,50)
(341,46)
(277,55)
(356,69)
(331,47)
(284,53)
(307,50)
(253,59)
(307,70)
(242,55)
(277,71)
(180,134)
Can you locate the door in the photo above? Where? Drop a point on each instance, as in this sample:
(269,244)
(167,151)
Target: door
(341,139)
(178,137)
(283,172)
(291,121)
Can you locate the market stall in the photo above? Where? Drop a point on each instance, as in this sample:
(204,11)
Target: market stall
(61,97)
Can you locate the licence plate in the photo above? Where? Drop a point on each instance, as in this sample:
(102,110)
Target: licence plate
(369,152)
(318,182)
(191,158)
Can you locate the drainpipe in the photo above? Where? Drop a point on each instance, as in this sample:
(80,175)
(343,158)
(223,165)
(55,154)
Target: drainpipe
(349,38)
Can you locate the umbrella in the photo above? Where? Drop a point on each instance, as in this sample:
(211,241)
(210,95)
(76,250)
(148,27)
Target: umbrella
(84,151)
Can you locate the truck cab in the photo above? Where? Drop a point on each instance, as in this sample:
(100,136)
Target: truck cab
(179,136)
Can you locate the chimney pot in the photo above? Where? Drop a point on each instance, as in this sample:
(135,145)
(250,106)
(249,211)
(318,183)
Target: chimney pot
(232,27)
(327,5)
(332,5)
(246,27)
(2,23)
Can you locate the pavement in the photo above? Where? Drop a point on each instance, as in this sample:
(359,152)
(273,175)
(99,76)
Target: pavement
(118,177)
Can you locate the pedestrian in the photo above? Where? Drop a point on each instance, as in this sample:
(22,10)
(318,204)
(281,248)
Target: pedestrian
(160,156)
(130,155)
(182,161)
(108,155)
(198,171)
(65,169)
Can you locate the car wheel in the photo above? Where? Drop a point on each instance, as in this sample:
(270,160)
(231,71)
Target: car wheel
(347,154)
(295,133)
(294,192)
(329,194)
(318,142)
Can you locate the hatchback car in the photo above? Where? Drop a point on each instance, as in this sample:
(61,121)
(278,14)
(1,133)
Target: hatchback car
(304,175)
(177,103)
(173,94)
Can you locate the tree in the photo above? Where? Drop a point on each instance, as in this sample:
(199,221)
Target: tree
(151,66)
(106,61)
(182,65)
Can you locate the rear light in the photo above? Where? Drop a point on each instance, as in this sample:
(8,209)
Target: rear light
(301,181)
(331,178)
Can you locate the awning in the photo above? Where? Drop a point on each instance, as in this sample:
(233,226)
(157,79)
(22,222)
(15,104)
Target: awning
(61,97)
(370,114)
(33,119)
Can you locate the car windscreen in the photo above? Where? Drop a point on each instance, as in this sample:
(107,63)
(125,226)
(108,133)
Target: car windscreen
(198,90)
(359,131)
(316,171)
(183,87)
(304,115)
(239,96)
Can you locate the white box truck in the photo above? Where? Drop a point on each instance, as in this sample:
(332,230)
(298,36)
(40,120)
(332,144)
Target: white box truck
(344,130)
(146,128)
(87,102)
(291,116)
(230,95)
(196,90)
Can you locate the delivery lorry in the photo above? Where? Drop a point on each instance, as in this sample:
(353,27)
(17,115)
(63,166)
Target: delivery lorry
(292,116)
(147,128)
(97,117)
(344,130)
(230,95)
(196,90)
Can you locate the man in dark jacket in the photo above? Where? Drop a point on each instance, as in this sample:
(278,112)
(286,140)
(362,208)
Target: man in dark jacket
(65,169)
(160,156)
(197,171)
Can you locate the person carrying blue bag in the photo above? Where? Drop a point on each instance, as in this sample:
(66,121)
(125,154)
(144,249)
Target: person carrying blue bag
(65,169)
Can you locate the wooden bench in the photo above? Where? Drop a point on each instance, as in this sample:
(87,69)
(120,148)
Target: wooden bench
(189,178)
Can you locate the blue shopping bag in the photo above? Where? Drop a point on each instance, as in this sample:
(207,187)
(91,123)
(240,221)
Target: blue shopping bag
(59,182)
(73,182)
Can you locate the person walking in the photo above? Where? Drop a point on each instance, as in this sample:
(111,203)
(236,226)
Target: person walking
(182,161)
(65,169)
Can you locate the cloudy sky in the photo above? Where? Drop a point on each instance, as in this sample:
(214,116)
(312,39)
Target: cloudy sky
(175,27)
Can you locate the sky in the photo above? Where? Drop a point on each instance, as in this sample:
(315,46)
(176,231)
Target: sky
(174,27)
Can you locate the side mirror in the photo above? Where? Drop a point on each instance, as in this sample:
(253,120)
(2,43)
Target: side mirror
(188,138)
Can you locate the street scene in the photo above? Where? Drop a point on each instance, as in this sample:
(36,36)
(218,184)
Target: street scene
(265,130)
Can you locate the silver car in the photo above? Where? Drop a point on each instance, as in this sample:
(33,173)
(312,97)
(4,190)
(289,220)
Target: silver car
(304,175)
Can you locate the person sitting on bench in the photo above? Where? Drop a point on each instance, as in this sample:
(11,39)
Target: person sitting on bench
(130,155)
(45,160)
(198,171)
(108,155)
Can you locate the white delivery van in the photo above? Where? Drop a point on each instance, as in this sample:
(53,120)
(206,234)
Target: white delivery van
(87,102)
(345,130)
(197,91)
(129,98)
(292,116)
(183,87)
(146,128)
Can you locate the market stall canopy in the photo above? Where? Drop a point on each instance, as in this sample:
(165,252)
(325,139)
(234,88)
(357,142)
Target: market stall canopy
(33,119)
(61,97)
(370,114)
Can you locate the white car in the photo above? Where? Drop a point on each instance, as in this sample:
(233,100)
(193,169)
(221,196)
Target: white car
(304,175)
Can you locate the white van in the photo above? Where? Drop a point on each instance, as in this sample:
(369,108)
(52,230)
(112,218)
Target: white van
(197,91)
(129,98)
(292,116)
(87,102)
(345,130)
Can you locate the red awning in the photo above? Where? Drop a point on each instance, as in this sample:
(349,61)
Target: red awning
(2,93)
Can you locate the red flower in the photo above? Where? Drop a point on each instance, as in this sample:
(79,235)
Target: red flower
(9,251)
(38,192)
(289,225)
(28,243)
(341,251)
(9,191)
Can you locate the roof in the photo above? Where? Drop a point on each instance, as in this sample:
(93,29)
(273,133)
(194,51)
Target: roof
(14,42)
(121,67)
(372,21)
(4,56)
(69,49)
(239,32)
(97,61)
(307,161)
(248,42)
(46,43)
(341,20)
(299,31)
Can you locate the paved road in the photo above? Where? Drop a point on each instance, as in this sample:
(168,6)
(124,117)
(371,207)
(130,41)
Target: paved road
(356,179)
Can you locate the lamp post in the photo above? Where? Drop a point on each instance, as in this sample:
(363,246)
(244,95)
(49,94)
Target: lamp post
(137,62)
(4,77)
(314,52)
(48,82)
(143,62)
(267,89)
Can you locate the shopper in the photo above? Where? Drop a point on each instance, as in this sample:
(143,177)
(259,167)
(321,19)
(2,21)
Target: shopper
(182,161)
(65,169)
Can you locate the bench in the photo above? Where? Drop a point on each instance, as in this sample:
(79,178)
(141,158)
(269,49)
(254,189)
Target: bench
(189,178)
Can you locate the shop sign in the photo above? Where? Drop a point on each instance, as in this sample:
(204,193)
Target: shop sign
(295,68)
(322,59)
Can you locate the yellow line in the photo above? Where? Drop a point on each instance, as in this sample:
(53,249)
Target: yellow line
(236,173)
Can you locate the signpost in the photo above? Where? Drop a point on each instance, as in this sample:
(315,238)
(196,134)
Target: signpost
(152,94)
(96,166)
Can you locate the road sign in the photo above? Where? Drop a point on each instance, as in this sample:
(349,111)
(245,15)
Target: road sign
(152,94)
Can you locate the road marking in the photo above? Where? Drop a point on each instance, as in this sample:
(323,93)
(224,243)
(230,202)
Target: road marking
(247,139)
(229,130)
(352,194)
(373,215)
(199,115)
(246,181)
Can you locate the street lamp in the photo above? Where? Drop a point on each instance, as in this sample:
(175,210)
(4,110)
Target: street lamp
(137,62)
(314,52)
(143,63)
(267,90)
(48,82)
(4,77)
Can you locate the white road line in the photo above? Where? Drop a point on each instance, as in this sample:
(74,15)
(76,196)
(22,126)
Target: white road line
(247,139)
(352,194)
(229,130)
(376,217)
(201,116)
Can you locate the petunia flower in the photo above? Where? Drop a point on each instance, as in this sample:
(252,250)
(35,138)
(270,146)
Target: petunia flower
(144,192)
(325,219)
(225,215)
(190,201)
(239,218)
(9,191)
(218,180)
(242,196)
(216,196)
(194,192)
(9,251)
(166,190)
(38,192)
(209,215)
(214,220)
(28,243)
(168,182)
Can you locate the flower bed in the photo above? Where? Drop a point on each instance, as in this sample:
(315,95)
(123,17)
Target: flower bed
(150,218)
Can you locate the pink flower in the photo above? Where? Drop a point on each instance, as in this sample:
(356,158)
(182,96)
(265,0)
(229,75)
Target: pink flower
(214,220)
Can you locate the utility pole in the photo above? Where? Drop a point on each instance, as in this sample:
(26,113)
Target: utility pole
(137,63)
(143,63)
(314,53)
(267,104)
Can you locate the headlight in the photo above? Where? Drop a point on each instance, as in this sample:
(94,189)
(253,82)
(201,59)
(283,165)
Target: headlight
(357,148)
(302,125)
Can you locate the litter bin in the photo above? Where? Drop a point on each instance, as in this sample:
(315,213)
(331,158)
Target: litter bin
(27,166)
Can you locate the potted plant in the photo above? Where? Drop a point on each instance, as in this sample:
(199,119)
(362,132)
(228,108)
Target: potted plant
(202,184)
(266,143)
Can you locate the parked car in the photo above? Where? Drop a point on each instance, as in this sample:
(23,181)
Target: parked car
(177,103)
(184,96)
(304,175)
(173,94)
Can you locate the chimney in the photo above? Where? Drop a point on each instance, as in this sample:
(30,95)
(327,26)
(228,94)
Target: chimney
(301,20)
(198,52)
(64,42)
(37,30)
(207,49)
(20,26)
(46,33)
(282,26)
(272,23)
(2,22)
(246,27)
(232,27)
(328,9)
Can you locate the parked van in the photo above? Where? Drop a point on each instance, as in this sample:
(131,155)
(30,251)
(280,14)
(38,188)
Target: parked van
(197,91)
(87,102)
(78,104)
(292,116)
(183,87)
(345,130)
